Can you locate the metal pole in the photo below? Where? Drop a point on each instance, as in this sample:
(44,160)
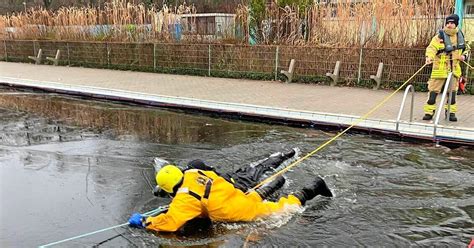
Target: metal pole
(276,62)
(359,72)
(154,56)
(363,32)
(209,52)
(408,89)
(5,47)
(447,85)
(108,53)
(458,9)
(412,103)
(68,56)
(138,49)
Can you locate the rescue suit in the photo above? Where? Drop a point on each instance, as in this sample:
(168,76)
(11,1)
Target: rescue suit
(244,178)
(206,194)
(445,50)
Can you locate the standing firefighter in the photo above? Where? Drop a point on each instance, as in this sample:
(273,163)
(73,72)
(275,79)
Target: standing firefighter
(445,51)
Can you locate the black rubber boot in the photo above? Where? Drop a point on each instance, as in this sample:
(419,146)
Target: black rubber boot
(452,117)
(427,117)
(289,153)
(270,188)
(277,159)
(318,187)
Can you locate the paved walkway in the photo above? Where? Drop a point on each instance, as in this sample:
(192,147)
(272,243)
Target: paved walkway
(316,99)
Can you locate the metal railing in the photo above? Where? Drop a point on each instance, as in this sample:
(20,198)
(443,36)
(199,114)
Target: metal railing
(447,90)
(402,105)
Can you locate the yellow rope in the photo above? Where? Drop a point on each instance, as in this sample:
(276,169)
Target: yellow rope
(470,66)
(339,134)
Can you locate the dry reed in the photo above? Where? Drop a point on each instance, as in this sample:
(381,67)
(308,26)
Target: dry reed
(118,20)
(381,23)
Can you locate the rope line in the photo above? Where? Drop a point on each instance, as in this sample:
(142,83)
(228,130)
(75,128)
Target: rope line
(339,134)
(149,213)
(470,66)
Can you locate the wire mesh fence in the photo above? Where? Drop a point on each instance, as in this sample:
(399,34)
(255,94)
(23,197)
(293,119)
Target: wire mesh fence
(257,62)
(237,61)
(182,58)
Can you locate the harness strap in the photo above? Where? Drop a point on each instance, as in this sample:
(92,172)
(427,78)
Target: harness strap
(198,197)
(207,190)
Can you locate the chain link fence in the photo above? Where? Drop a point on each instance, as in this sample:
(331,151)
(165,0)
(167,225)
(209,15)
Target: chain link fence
(235,61)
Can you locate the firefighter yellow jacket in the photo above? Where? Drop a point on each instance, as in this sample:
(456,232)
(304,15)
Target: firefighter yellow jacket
(442,61)
(205,194)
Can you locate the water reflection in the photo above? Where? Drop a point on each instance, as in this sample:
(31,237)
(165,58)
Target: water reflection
(127,122)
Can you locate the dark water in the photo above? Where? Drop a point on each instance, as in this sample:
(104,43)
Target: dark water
(71,166)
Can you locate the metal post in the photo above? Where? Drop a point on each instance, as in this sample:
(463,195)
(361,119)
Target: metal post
(138,47)
(363,33)
(209,52)
(359,72)
(459,7)
(408,89)
(447,86)
(68,56)
(412,103)
(276,62)
(108,53)
(154,56)
(5,47)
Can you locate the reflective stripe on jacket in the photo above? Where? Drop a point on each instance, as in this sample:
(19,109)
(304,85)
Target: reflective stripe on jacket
(221,202)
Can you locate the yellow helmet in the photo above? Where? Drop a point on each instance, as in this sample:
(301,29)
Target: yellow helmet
(168,177)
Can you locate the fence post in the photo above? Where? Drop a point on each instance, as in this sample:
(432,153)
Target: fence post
(209,52)
(5,47)
(68,56)
(359,73)
(154,56)
(108,53)
(276,62)
(34,48)
(138,46)
(363,34)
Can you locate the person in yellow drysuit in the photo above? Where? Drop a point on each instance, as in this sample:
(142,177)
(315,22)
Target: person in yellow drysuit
(245,177)
(445,52)
(202,193)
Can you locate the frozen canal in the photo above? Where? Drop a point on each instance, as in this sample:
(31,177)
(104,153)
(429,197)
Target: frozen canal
(70,166)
